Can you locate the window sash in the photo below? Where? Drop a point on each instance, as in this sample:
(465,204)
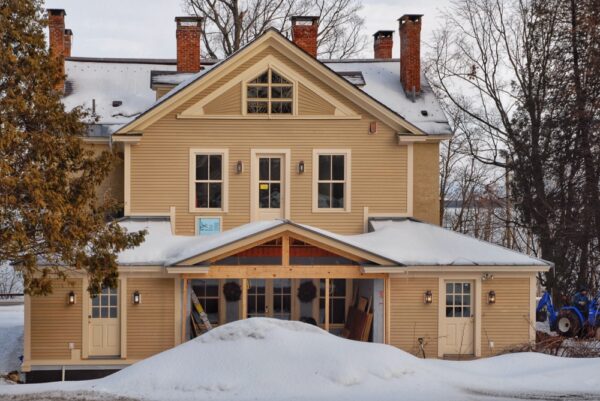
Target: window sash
(331,183)
(210,182)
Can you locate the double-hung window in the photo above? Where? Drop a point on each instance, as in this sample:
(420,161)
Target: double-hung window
(332,181)
(208,176)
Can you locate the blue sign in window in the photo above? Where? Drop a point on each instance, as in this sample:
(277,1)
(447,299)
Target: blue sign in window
(208,225)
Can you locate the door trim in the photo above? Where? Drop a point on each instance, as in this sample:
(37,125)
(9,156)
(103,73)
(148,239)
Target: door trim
(476,279)
(286,153)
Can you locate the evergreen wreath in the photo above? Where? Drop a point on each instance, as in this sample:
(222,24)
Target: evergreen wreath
(232,291)
(307,291)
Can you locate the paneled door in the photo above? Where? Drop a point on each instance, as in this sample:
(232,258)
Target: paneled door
(458,319)
(270,298)
(270,186)
(104,326)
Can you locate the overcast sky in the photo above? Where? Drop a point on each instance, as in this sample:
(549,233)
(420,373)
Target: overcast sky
(146,28)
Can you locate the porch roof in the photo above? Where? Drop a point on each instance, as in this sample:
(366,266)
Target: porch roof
(404,242)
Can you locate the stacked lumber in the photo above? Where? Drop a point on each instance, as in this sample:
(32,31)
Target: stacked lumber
(359,321)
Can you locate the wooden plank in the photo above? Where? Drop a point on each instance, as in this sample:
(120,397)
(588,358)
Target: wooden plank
(244,298)
(285,250)
(275,271)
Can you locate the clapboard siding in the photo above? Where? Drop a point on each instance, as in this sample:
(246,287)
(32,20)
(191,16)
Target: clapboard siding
(160,171)
(54,323)
(426,183)
(410,318)
(151,324)
(506,323)
(229,103)
(309,103)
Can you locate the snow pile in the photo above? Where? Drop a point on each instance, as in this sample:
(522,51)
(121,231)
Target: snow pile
(267,359)
(11,337)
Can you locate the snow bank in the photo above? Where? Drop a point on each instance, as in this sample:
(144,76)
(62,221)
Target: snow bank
(267,359)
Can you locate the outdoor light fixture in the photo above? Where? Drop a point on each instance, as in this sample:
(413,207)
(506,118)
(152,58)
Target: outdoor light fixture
(487,276)
(71,300)
(239,167)
(491,297)
(428,297)
(137,298)
(301,167)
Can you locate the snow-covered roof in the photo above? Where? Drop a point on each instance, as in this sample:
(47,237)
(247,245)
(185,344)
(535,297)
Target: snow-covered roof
(382,82)
(404,242)
(96,83)
(120,89)
(161,247)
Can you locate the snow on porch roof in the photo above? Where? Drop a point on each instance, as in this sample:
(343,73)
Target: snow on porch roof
(406,242)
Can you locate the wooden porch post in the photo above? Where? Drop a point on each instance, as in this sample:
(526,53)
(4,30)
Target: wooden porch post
(285,250)
(184,305)
(327,304)
(244,298)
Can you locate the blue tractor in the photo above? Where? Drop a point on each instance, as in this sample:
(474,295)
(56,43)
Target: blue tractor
(570,321)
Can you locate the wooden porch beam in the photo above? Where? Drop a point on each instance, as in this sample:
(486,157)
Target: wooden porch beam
(276,271)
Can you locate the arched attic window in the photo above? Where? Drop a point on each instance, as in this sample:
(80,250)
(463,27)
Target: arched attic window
(269,93)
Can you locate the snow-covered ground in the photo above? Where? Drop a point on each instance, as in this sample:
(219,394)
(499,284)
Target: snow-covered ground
(11,336)
(266,359)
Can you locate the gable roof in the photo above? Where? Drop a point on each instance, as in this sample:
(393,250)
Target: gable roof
(186,89)
(401,243)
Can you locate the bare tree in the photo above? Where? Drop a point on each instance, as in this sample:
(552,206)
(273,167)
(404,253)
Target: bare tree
(524,74)
(11,281)
(230,24)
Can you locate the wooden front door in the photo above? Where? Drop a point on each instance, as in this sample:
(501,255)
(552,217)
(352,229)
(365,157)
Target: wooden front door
(270,298)
(104,327)
(458,319)
(270,186)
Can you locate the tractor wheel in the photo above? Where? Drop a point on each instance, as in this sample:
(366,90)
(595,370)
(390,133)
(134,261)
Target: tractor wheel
(567,324)
(541,316)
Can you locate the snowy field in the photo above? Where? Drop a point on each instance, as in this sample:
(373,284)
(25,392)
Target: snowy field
(266,359)
(11,336)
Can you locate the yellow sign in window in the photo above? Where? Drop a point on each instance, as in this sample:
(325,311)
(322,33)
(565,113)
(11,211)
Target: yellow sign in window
(264,186)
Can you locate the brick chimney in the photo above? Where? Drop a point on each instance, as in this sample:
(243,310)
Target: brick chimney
(383,44)
(189,33)
(304,33)
(410,52)
(68,42)
(56,28)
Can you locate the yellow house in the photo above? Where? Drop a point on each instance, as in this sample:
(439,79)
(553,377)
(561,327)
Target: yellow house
(275,184)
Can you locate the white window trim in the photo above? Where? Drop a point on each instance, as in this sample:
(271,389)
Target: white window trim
(347,175)
(196,218)
(192,180)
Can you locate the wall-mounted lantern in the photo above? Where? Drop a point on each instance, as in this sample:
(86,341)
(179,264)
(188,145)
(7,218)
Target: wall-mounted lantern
(492,297)
(301,167)
(239,167)
(137,298)
(71,299)
(428,297)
